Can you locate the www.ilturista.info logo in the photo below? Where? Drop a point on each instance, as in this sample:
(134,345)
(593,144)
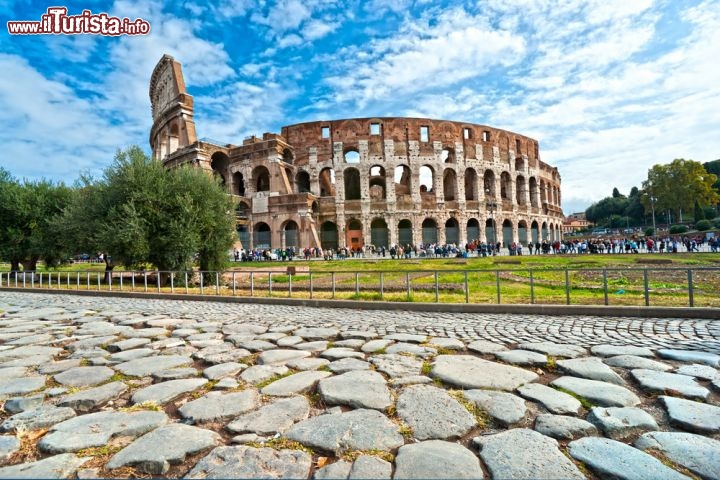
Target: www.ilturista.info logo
(57,21)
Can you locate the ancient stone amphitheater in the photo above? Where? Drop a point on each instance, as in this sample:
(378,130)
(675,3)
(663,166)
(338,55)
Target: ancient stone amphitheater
(360,181)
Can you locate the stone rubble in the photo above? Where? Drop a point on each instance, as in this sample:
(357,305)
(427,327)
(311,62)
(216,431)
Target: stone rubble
(212,390)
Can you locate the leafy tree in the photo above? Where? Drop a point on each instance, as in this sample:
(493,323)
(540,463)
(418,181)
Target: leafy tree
(699,212)
(678,185)
(140,212)
(714,168)
(703,225)
(616,193)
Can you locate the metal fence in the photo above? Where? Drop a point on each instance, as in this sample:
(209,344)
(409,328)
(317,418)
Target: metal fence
(570,286)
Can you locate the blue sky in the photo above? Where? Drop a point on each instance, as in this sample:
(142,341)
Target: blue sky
(609,88)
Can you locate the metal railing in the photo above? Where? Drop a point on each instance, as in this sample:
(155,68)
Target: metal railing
(570,286)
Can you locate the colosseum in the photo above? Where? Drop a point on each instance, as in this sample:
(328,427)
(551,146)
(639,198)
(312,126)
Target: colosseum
(359,181)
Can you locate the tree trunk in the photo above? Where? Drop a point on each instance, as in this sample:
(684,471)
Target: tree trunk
(30,265)
(14,265)
(109,265)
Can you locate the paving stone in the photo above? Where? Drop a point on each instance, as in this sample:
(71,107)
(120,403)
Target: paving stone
(96,430)
(37,418)
(360,334)
(142,367)
(280,356)
(309,363)
(221,370)
(150,332)
(565,350)
(504,407)
(467,372)
(354,343)
(314,347)
(345,365)
(232,328)
(700,455)
(446,343)
(705,358)
(154,452)
(436,459)
(31,361)
(337,353)
(204,336)
(412,349)
(226,384)
(692,416)
(374,346)
(367,466)
(334,471)
(289,341)
(523,453)
(620,423)
(57,466)
(261,373)
(317,333)
(522,357)
(18,372)
(410,380)
(271,336)
(360,429)
(202,344)
(562,427)
(19,386)
(703,372)
(663,382)
(92,343)
(257,345)
(591,368)
(29,351)
(163,392)
(554,400)
(84,376)
(175,374)
(599,393)
(9,444)
(633,361)
(296,383)
(133,354)
(396,366)
(273,418)
(20,404)
(615,350)
(225,357)
(249,462)
(86,400)
(612,459)
(128,344)
(53,367)
(216,406)
(32,339)
(358,389)
(432,413)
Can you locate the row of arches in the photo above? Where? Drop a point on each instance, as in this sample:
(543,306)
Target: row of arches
(429,231)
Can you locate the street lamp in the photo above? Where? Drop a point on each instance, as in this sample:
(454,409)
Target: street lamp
(492,208)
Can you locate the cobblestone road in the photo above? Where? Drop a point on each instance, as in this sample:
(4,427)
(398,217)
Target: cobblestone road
(698,334)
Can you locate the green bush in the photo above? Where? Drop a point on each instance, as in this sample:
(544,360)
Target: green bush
(703,225)
(649,232)
(678,229)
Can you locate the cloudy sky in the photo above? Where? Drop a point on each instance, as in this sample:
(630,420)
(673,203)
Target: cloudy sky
(608,87)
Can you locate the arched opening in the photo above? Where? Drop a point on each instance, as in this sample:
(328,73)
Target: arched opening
(238,184)
(522,232)
(402,176)
(449,185)
(288,156)
(533,192)
(489,183)
(534,232)
(507,229)
(447,155)
(379,235)
(377,183)
(354,231)
(262,179)
(327,182)
(427,179)
(242,211)
(352,156)
(173,139)
(219,163)
(520,190)
(351,177)
(470,184)
(290,233)
(519,164)
(302,182)
(452,232)
(329,236)
(473,230)
(490,235)
(405,232)
(243,235)
(262,235)
(545,232)
(429,231)
(505,187)
(543,192)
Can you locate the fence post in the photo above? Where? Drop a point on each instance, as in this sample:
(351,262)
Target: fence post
(332,280)
(269,284)
(122,274)
(202,282)
(234,284)
(497,282)
(605,286)
(691,293)
(187,287)
(467,288)
(24,275)
(172,282)
(437,293)
(647,291)
(382,285)
(252,284)
(88,280)
(110,280)
(145,279)
(49,281)
(158,280)
(289,285)
(217,283)
(98,281)
(532,288)
(567,287)
(40,286)
(357,283)
(311,286)
(407,284)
